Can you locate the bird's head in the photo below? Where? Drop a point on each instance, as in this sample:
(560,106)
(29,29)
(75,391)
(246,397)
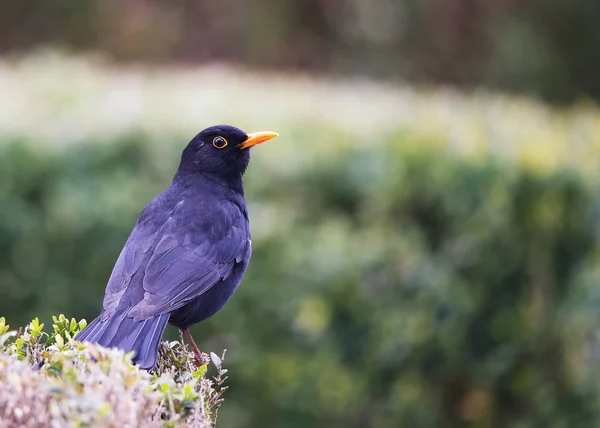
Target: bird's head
(221,150)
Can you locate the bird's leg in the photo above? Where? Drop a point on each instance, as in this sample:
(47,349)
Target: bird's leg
(197,354)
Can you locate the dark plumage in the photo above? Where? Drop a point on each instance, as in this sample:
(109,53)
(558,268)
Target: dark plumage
(187,252)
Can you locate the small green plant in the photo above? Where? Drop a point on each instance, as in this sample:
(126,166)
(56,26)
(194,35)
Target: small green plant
(69,383)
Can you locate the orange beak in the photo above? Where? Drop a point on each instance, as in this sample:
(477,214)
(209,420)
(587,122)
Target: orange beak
(257,138)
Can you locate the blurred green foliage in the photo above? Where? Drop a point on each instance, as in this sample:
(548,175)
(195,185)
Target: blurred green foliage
(398,286)
(544,47)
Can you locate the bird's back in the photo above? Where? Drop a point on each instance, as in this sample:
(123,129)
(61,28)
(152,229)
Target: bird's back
(187,240)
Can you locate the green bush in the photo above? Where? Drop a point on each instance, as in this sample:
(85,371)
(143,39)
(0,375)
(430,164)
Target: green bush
(392,283)
(49,380)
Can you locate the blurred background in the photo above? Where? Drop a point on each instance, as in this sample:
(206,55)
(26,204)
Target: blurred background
(425,230)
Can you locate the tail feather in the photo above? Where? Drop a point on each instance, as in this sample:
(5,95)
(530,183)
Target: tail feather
(107,329)
(120,331)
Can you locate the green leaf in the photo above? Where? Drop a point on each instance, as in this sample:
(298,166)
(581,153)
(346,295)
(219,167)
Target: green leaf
(35,327)
(165,387)
(82,324)
(201,371)
(3,326)
(59,341)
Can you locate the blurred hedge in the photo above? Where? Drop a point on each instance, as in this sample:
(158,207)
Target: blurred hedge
(390,285)
(543,47)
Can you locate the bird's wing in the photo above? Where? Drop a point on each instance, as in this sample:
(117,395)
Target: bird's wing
(176,267)
(134,253)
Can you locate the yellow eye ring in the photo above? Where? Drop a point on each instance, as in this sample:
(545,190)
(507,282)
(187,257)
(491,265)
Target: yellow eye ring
(220,142)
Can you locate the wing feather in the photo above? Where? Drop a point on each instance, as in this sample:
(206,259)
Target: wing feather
(171,267)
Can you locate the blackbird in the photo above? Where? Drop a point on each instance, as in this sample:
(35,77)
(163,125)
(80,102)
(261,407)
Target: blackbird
(187,252)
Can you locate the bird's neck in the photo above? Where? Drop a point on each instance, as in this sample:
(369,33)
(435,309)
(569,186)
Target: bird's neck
(190,179)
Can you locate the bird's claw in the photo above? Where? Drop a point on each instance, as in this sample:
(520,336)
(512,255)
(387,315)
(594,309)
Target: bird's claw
(199,361)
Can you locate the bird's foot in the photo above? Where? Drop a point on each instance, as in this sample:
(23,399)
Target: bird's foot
(198,357)
(199,361)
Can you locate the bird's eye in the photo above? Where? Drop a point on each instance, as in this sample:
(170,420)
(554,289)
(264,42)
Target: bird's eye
(220,142)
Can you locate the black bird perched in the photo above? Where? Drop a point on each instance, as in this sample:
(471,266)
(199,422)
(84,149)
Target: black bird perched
(187,252)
